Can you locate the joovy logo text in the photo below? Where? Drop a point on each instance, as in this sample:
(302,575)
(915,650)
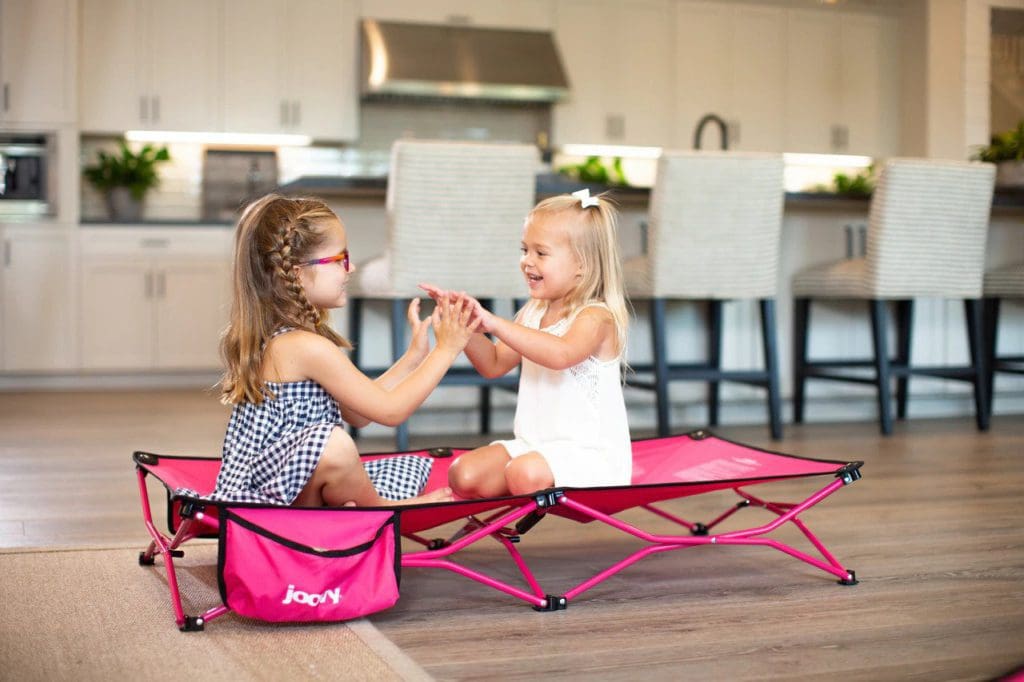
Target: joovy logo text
(300,597)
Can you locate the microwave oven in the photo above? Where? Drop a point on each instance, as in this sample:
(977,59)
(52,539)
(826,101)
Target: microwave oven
(24,175)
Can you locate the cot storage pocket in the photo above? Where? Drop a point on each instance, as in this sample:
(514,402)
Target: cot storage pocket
(287,564)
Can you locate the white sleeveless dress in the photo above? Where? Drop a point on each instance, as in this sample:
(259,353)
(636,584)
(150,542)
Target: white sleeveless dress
(575,418)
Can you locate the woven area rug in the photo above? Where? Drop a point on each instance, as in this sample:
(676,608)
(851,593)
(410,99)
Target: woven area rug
(97,614)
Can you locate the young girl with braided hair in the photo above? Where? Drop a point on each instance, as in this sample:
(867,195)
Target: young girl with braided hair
(570,339)
(293,386)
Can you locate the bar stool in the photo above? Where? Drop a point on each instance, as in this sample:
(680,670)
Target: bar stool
(927,226)
(1005,282)
(455,217)
(715,225)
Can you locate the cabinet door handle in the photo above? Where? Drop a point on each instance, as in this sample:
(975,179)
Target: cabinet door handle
(149,285)
(161,284)
(143,108)
(296,113)
(284,113)
(156,109)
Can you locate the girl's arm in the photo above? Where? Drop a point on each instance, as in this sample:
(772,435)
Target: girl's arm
(491,359)
(419,346)
(591,333)
(316,358)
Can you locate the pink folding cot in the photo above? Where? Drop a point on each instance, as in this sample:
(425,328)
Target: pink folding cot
(301,564)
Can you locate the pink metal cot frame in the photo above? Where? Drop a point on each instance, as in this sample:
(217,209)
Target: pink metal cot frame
(664,468)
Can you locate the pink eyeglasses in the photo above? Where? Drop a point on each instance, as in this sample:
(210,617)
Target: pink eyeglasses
(342,257)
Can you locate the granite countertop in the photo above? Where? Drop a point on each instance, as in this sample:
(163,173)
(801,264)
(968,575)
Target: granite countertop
(549,184)
(374,188)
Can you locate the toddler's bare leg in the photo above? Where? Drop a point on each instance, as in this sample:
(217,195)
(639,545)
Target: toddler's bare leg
(529,473)
(480,472)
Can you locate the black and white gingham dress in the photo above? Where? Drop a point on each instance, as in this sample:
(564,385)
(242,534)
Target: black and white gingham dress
(271,449)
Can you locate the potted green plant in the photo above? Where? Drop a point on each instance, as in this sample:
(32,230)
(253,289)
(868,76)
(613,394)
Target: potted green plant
(1007,152)
(124,178)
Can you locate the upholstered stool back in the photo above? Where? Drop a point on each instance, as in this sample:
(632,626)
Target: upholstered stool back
(715,224)
(456,212)
(927,228)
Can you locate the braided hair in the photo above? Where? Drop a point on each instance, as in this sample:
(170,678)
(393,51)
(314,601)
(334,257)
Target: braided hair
(275,234)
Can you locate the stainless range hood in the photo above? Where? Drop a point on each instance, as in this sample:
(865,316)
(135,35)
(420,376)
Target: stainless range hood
(436,60)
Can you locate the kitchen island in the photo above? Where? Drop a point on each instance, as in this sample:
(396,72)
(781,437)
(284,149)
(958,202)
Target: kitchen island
(817,228)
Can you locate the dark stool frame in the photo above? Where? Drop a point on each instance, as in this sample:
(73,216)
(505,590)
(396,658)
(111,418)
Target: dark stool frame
(711,371)
(1010,364)
(888,368)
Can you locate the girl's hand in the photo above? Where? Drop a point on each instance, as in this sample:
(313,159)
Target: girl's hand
(453,323)
(485,319)
(419,343)
(435,292)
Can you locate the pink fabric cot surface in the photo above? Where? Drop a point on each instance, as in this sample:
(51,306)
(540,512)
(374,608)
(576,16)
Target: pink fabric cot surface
(663,469)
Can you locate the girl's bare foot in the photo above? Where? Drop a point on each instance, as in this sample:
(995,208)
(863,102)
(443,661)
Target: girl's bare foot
(439,495)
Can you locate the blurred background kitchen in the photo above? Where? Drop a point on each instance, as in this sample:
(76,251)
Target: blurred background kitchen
(104,291)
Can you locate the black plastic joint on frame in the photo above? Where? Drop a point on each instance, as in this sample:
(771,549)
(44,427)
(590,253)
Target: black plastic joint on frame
(440,453)
(852,580)
(699,434)
(146,458)
(699,529)
(849,473)
(188,510)
(548,498)
(742,503)
(193,624)
(554,603)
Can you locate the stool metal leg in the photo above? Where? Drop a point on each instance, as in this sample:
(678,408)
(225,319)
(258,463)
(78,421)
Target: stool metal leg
(397,348)
(972,312)
(771,365)
(659,343)
(904,332)
(714,357)
(801,317)
(882,370)
(990,334)
(355,332)
(485,391)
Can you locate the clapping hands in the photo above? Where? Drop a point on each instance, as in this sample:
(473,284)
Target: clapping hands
(483,320)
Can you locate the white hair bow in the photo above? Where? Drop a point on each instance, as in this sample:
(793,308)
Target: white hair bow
(585,199)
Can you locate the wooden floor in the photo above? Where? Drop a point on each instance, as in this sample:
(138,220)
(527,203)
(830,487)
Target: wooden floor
(934,530)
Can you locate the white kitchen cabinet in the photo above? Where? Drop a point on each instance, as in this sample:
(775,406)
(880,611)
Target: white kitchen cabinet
(842,92)
(524,14)
(149,64)
(620,70)
(730,61)
(37,299)
(291,67)
(38,40)
(153,299)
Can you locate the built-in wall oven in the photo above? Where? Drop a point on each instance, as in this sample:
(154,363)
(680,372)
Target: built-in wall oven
(25,175)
